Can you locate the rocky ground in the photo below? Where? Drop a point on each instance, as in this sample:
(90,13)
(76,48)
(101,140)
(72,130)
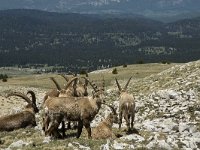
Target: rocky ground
(167,113)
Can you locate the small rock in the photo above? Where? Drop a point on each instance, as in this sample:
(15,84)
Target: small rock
(134,137)
(19,144)
(183,127)
(117,145)
(106,146)
(47,139)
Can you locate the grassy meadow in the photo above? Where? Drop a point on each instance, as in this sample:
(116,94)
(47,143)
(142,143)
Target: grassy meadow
(138,71)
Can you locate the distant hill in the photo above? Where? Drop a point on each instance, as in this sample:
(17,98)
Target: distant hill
(93,41)
(159,9)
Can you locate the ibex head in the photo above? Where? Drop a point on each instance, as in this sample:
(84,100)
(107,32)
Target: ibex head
(125,87)
(113,115)
(97,92)
(31,103)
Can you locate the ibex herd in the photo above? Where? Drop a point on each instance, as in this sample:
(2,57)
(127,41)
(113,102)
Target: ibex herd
(72,103)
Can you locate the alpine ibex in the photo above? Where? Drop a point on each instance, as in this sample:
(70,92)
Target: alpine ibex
(67,92)
(23,119)
(78,89)
(126,105)
(81,109)
(104,129)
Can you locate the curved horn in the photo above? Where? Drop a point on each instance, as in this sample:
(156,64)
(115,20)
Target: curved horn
(125,87)
(20,95)
(56,83)
(70,82)
(112,108)
(119,87)
(62,75)
(33,96)
(94,86)
(86,81)
(33,101)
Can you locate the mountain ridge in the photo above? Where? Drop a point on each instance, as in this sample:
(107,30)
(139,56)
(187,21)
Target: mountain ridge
(148,8)
(90,41)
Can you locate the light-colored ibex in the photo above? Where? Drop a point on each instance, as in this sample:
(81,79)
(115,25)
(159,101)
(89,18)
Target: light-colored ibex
(104,128)
(126,106)
(81,109)
(23,119)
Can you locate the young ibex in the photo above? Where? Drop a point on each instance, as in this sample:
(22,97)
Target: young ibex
(22,119)
(126,106)
(104,129)
(81,109)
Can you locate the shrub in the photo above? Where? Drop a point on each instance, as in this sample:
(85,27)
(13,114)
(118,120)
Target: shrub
(140,62)
(124,65)
(4,80)
(165,62)
(82,72)
(115,71)
(3,77)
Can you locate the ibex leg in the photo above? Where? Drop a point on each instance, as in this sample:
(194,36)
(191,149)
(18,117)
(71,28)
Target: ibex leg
(80,127)
(120,119)
(87,126)
(127,118)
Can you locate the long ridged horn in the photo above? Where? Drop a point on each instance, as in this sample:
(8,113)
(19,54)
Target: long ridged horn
(70,82)
(103,84)
(94,86)
(20,95)
(33,96)
(119,87)
(125,87)
(86,81)
(33,101)
(56,83)
(62,75)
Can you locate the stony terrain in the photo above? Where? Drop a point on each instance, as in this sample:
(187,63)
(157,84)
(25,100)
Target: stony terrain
(168,115)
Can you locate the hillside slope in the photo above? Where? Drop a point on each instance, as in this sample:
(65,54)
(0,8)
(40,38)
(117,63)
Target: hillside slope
(167,117)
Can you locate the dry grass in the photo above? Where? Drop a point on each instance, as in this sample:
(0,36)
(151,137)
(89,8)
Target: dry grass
(138,71)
